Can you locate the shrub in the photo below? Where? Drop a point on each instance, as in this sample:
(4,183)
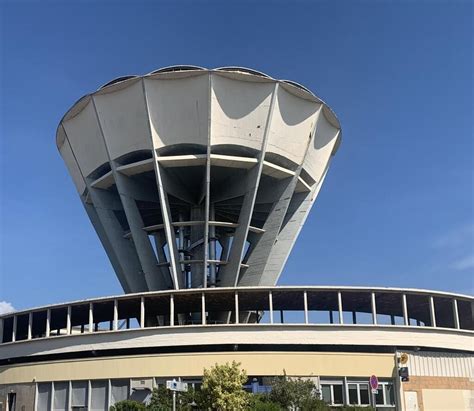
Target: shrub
(262,402)
(128,405)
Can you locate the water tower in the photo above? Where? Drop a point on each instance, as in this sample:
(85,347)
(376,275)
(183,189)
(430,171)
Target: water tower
(198,178)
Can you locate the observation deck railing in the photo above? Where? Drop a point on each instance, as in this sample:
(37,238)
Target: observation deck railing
(338,306)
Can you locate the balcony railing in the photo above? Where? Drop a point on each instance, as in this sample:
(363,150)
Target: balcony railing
(338,306)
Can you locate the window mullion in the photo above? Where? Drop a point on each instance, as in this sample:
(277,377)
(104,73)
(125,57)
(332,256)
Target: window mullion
(384,392)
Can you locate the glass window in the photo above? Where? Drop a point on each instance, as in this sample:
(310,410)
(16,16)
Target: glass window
(389,394)
(379,396)
(79,395)
(353,397)
(44,396)
(338,392)
(326,393)
(60,396)
(98,395)
(364,394)
(119,391)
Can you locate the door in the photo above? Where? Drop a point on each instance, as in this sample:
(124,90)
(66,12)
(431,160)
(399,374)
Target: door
(411,401)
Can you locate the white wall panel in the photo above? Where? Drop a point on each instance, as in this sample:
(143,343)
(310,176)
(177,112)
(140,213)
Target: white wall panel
(292,123)
(86,139)
(239,111)
(72,166)
(321,148)
(433,364)
(178,110)
(122,114)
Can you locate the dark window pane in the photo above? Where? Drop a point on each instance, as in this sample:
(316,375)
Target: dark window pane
(364,394)
(326,393)
(379,395)
(353,394)
(389,394)
(338,394)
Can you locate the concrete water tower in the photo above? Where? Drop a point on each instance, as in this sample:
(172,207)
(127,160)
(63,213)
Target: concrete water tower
(198,178)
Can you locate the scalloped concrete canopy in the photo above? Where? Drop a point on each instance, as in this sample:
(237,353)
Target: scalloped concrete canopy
(198,178)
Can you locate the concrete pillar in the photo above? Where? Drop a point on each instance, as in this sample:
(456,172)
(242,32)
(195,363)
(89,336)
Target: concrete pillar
(203,308)
(406,319)
(432,312)
(115,315)
(51,400)
(270,306)
(346,392)
(89,394)
(374,309)
(456,314)
(91,317)
(237,312)
(305,301)
(30,325)
(14,328)
(69,397)
(68,320)
(48,323)
(142,312)
(171,310)
(339,305)
(109,393)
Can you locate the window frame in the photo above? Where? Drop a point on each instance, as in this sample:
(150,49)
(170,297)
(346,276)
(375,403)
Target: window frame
(382,385)
(331,384)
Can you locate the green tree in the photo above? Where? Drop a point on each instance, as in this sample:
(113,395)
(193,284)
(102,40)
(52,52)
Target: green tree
(128,405)
(162,400)
(222,388)
(296,393)
(262,402)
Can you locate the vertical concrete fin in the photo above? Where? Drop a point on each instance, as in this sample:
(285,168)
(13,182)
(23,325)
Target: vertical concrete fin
(165,209)
(145,252)
(122,255)
(207,185)
(259,257)
(230,273)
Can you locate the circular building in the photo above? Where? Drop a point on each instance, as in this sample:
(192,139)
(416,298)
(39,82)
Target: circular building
(197,183)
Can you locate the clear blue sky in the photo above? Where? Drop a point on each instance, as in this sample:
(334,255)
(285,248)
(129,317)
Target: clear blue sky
(397,206)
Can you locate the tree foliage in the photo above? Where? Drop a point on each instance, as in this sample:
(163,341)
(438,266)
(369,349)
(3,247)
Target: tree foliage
(262,402)
(162,400)
(128,405)
(222,390)
(222,387)
(296,393)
